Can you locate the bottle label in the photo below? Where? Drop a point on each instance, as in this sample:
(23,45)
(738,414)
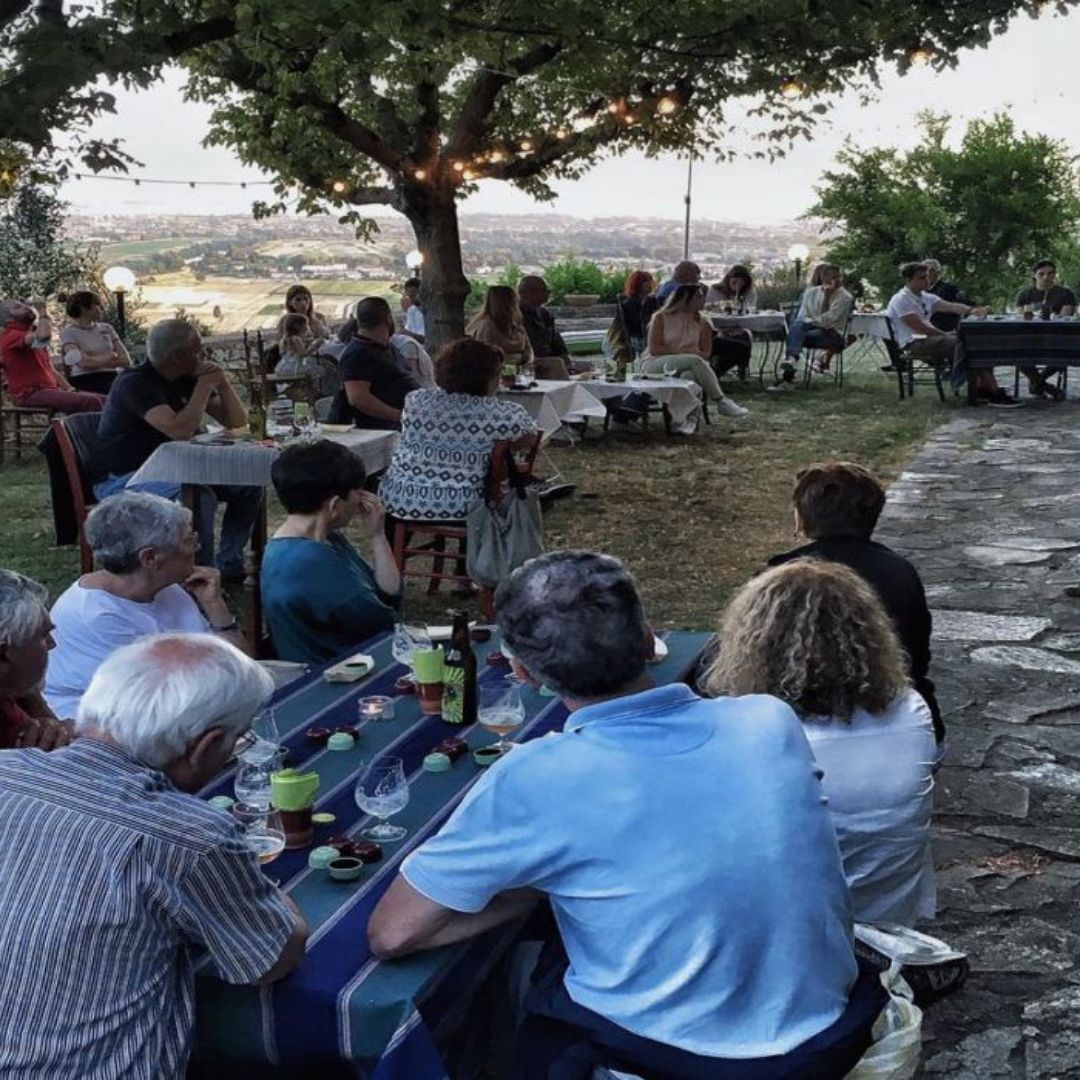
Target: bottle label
(453,694)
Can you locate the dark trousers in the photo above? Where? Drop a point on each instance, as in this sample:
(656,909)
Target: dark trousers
(805,335)
(94,382)
(730,352)
(561,1040)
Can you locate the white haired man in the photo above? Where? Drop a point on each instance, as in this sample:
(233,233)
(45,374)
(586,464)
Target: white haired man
(681,893)
(32,381)
(125,875)
(146,582)
(166,398)
(25,641)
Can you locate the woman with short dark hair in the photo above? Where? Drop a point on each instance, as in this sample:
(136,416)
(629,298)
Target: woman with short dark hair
(815,635)
(320,596)
(837,505)
(93,352)
(447,435)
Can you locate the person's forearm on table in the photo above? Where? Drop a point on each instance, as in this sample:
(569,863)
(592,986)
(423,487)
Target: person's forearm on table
(186,422)
(388,939)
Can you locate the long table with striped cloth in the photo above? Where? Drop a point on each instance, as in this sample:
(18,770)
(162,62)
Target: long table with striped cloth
(341,1003)
(1011,341)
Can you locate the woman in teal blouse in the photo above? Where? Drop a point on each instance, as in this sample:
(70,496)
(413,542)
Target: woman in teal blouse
(320,596)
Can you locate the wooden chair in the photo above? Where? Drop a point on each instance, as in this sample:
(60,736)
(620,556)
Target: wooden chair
(75,436)
(435,535)
(17,422)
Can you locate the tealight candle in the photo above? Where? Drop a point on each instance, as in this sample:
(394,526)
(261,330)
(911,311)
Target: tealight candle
(376,707)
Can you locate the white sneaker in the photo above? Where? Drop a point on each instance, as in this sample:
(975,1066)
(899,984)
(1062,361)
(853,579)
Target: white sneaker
(726,407)
(780,387)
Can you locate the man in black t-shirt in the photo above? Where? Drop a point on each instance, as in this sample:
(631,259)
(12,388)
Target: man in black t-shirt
(376,377)
(945,321)
(1045,297)
(165,399)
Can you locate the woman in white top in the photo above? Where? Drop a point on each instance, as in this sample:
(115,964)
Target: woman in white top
(679,343)
(146,583)
(93,352)
(814,634)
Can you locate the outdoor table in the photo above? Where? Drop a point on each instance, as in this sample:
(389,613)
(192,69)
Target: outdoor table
(554,402)
(342,1003)
(873,330)
(680,398)
(194,464)
(1012,341)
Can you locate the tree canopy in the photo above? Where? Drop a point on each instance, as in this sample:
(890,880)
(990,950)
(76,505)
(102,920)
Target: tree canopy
(987,208)
(407,104)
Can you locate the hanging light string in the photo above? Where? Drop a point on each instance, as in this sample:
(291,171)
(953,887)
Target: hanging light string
(137,180)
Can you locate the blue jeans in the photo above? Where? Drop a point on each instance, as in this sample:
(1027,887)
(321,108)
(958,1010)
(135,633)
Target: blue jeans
(242,506)
(810,336)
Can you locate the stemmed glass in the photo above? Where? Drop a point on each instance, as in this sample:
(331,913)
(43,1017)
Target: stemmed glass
(263,739)
(407,640)
(264,833)
(382,791)
(500,710)
(303,421)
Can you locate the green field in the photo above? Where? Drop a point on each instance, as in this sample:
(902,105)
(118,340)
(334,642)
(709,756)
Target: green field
(111,253)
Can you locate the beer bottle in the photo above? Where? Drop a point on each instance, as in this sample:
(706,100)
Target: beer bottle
(256,416)
(459,674)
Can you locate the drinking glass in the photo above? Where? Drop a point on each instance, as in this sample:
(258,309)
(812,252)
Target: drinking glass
(303,420)
(500,710)
(264,833)
(382,791)
(407,640)
(263,739)
(252,781)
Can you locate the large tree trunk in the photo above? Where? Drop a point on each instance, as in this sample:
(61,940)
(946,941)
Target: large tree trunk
(432,212)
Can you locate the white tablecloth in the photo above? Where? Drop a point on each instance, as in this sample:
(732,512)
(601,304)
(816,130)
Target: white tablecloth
(682,397)
(248,464)
(870,324)
(553,402)
(761,322)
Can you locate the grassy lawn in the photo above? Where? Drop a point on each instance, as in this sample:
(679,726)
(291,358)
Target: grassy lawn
(693,517)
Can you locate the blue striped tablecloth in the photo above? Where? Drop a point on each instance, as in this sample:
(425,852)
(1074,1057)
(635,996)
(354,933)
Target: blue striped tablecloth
(341,1003)
(1001,340)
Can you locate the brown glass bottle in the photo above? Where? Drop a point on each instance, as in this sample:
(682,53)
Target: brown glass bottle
(459,674)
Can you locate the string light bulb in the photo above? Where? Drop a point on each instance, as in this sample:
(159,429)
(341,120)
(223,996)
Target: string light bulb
(628,118)
(526,145)
(458,166)
(420,174)
(562,134)
(666,105)
(468,174)
(791,89)
(921,56)
(496,156)
(339,187)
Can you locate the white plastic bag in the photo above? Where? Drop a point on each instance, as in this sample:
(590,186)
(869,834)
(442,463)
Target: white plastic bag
(897,1046)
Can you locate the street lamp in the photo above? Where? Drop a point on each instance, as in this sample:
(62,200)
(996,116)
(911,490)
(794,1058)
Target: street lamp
(413,261)
(798,253)
(120,280)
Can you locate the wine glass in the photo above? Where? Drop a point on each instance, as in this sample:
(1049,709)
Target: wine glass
(500,710)
(303,421)
(252,781)
(263,738)
(264,833)
(383,791)
(406,641)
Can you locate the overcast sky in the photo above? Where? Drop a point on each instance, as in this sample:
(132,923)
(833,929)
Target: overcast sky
(1031,71)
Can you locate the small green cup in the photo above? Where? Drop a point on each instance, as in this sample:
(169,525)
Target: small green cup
(427,665)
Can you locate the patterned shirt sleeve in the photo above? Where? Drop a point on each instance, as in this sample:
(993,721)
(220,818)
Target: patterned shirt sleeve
(512,421)
(229,908)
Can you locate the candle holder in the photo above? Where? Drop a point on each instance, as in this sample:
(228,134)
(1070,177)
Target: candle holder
(376,707)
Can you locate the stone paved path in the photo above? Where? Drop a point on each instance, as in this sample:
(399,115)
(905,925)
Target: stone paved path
(989,511)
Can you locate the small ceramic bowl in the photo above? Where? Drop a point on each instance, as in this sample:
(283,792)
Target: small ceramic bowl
(345,868)
(486,755)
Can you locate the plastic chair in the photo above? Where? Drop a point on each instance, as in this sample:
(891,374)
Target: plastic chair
(435,535)
(75,435)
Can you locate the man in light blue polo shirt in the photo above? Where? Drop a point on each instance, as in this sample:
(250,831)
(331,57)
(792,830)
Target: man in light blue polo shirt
(684,846)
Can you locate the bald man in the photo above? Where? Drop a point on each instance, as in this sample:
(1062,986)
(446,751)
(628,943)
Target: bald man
(166,399)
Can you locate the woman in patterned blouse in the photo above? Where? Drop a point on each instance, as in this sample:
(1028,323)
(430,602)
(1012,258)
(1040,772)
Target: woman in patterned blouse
(447,435)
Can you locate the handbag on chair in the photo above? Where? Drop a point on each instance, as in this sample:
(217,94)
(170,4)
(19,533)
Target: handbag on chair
(503,533)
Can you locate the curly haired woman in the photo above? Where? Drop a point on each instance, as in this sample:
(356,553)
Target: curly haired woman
(816,635)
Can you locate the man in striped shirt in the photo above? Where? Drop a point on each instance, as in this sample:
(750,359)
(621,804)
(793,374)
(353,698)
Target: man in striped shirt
(113,881)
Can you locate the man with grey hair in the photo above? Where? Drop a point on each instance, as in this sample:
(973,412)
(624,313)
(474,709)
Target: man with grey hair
(163,399)
(25,641)
(684,847)
(146,582)
(32,381)
(944,320)
(125,876)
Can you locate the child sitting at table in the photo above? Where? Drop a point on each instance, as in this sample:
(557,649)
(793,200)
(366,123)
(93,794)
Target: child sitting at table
(300,355)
